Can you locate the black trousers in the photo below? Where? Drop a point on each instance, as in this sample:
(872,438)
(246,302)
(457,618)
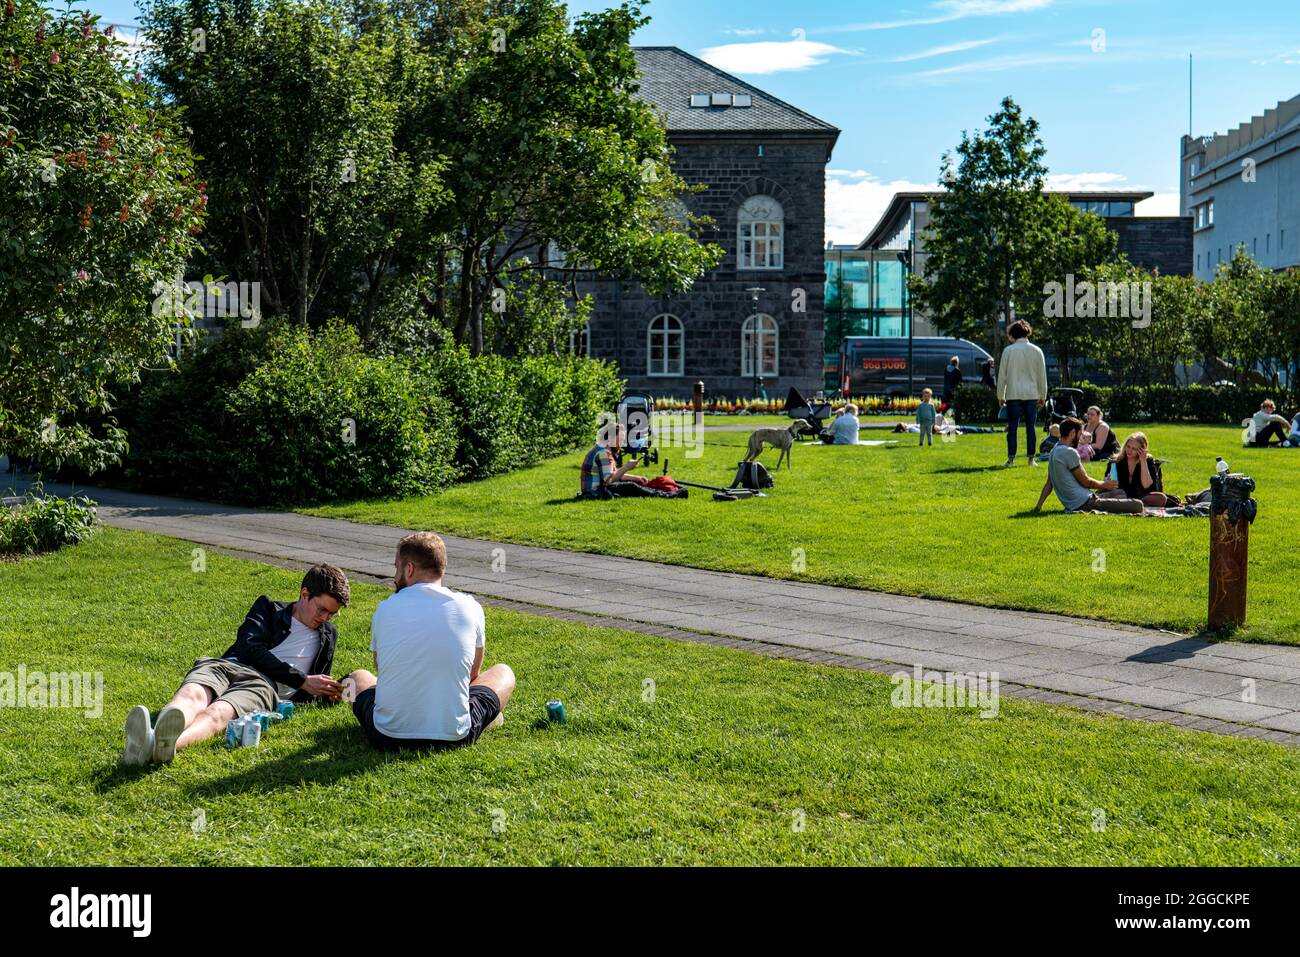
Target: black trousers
(1274,429)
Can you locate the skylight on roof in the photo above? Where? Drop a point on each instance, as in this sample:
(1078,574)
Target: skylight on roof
(721,99)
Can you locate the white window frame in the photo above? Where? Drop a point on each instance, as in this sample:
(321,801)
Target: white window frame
(671,325)
(582,335)
(767,327)
(760,234)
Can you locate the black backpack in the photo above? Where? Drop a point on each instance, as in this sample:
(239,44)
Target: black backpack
(753,476)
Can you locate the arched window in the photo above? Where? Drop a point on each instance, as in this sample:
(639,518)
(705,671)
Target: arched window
(760,234)
(665,346)
(759,336)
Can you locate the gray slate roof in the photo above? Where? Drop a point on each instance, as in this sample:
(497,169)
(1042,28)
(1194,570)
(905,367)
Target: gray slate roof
(670,75)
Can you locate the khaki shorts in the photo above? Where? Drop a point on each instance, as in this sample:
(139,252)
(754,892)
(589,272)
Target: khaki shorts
(245,689)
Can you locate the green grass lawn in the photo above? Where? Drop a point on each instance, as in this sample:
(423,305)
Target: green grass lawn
(944,521)
(713,770)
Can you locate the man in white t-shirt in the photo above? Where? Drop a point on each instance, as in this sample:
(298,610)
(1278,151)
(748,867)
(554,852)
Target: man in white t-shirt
(428,647)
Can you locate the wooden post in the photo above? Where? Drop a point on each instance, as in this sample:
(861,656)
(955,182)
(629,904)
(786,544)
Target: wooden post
(699,404)
(1228,547)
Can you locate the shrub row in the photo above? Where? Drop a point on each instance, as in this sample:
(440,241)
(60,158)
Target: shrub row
(1209,405)
(282,416)
(41,523)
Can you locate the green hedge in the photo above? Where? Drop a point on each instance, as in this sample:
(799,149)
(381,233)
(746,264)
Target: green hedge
(282,416)
(975,403)
(1207,405)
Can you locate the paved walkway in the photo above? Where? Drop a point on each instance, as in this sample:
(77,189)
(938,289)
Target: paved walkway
(1248,690)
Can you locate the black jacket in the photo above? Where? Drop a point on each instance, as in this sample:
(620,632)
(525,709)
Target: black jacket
(951,379)
(265,626)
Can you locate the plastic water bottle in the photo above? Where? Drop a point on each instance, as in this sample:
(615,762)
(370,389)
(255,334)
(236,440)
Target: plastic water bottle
(1220,466)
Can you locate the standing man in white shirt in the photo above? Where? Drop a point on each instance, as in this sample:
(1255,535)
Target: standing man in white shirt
(428,643)
(1022,388)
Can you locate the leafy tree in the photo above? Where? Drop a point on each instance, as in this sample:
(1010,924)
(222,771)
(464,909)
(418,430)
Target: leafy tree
(98,203)
(985,230)
(301,119)
(550,148)
(1146,349)
(1232,328)
(1071,243)
(1282,314)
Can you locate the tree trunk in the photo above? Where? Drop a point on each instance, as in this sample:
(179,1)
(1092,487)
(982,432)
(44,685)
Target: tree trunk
(440,302)
(468,266)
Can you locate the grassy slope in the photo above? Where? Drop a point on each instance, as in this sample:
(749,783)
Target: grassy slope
(944,522)
(711,771)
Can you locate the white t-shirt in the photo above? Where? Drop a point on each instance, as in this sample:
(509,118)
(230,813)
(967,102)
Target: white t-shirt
(298,650)
(845,430)
(425,636)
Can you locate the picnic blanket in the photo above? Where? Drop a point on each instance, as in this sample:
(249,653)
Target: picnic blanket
(1182,511)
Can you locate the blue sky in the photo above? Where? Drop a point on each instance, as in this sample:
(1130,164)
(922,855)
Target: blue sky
(1107,79)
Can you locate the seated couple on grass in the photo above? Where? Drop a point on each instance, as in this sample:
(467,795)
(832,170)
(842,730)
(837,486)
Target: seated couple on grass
(1138,481)
(1267,426)
(431,693)
(1077,490)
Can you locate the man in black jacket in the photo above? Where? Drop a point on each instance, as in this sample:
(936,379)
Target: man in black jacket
(282,652)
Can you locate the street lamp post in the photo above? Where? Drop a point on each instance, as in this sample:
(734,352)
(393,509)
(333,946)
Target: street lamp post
(754,293)
(905,258)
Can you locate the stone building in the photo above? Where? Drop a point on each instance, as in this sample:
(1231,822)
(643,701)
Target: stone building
(763,162)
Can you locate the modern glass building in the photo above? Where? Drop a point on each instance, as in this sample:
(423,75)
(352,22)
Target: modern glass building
(866,295)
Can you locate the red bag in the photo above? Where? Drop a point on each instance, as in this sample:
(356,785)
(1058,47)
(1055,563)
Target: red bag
(664,483)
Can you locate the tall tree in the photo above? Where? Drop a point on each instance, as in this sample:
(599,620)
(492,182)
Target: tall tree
(1069,244)
(98,204)
(298,115)
(982,239)
(551,149)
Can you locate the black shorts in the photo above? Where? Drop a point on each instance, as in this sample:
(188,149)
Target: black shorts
(484,706)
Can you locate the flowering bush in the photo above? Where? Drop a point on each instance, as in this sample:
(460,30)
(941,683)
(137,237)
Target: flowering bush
(98,202)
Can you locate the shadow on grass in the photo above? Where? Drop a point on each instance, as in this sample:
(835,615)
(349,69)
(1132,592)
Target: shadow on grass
(1032,513)
(973,469)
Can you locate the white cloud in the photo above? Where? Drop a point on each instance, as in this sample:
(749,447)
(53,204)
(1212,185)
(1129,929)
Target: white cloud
(1000,64)
(945,11)
(770,56)
(855,201)
(1161,204)
(1077,182)
(942,50)
(744,31)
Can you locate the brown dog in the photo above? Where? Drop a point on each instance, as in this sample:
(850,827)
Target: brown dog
(781,439)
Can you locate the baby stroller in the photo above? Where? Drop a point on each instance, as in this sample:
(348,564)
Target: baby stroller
(1063,404)
(815,413)
(636,414)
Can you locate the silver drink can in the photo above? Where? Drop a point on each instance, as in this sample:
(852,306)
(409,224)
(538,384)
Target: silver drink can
(252,733)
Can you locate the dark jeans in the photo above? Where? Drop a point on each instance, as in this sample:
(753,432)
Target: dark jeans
(1026,409)
(1274,431)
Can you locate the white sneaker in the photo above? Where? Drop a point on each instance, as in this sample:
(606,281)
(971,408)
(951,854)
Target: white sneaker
(139,738)
(1033,462)
(1009,462)
(170,726)
(496,722)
